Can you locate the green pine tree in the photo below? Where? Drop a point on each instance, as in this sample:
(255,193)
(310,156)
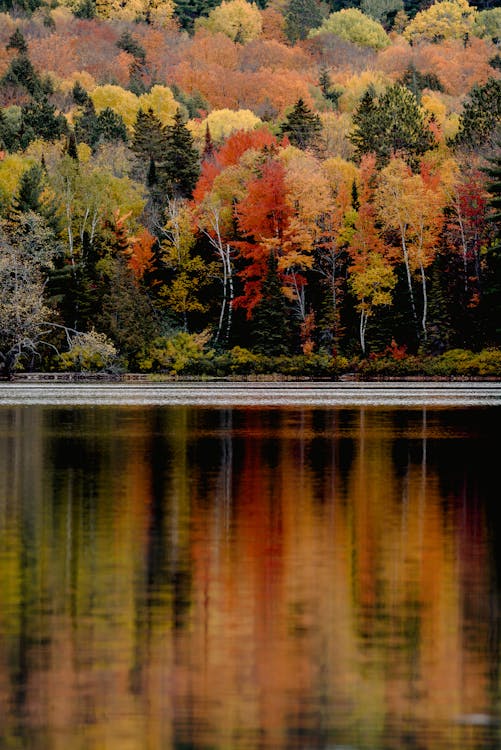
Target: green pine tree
(110,126)
(180,168)
(300,17)
(391,124)
(39,120)
(187,11)
(18,42)
(302,126)
(481,119)
(270,320)
(149,137)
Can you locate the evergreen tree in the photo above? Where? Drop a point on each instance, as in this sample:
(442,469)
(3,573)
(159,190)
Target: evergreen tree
(300,17)
(208,152)
(86,125)
(80,96)
(71,147)
(187,11)
(180,168)
(22,74)
(110,126)
(302,126)
(149,137)
(416,81)
(270,325)
(481,118)
(39,120)
(325,85)
(392,124)
(137,68)
(18,42)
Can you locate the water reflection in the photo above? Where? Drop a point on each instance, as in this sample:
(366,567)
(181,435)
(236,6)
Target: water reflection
(248,578)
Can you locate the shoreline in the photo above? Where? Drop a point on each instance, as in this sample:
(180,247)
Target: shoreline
(105,378)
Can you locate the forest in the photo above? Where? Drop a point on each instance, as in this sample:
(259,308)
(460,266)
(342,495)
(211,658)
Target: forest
(301,187)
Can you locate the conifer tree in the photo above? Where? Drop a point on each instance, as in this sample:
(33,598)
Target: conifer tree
(325,85)
(180,168)
(391,124)
(270,316)
(302,126)
(149,137)
(481,118)
(18,42)
(39,120)
(300,17)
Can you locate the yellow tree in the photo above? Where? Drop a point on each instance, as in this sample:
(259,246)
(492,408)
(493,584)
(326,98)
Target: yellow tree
(372,284)
(412,206)
(448,19)
(237,19)
(191,274)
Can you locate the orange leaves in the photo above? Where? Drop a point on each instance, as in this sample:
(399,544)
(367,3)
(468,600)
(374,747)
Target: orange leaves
(141,258)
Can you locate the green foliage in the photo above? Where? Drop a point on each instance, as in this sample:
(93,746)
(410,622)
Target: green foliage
(300,17)
(180,353)
(416,81)
(180,165)
(481,118)
(302,126)
(270,331)
(39,120)
(18,42)
(390,124)
(187,11)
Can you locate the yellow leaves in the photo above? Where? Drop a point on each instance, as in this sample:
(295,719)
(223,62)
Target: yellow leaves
(372,284)
(357,85)
(223,122)
(237,19)
(123,102)
(162,102)
(341,174)
(448,19)
(12,167)
(158,11)
(351,24)
(126,104)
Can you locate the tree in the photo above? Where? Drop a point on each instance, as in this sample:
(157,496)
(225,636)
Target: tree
(382,11)
(191,274)
(372,284)
(492,284)
(391,124)
(187,11)
(481,117)
(18,42)
(412,205)
(300,17)
(39,120)
(302,126)
(27,252)
(239,20)
(270,324)
(443,20)
(180,167)
(353,26)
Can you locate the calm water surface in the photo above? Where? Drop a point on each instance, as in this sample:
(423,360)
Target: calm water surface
(244,578)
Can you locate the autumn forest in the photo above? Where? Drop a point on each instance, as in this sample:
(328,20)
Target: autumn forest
(232,188)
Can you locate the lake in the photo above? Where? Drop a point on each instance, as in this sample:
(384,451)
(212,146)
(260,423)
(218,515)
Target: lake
(299,568)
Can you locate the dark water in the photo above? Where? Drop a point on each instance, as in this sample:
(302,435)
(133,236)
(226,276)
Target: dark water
(244,579)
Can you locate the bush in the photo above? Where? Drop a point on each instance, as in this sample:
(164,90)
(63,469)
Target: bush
(89,352)
(181,353)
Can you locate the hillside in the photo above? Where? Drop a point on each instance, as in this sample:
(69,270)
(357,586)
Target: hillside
(237,188)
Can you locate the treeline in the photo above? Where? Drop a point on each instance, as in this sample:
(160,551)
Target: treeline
(347,216)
